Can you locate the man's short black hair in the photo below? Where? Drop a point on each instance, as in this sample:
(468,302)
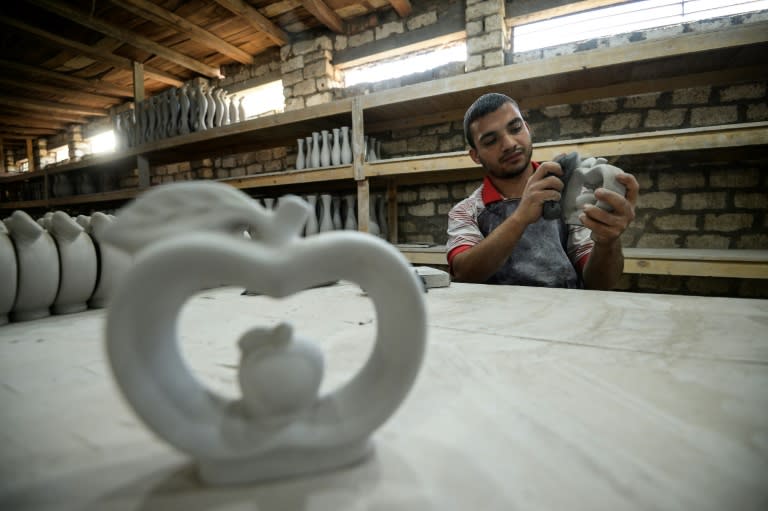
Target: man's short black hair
(483,106)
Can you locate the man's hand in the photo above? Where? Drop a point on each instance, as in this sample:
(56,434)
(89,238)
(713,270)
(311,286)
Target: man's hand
(607,226)
(543,185)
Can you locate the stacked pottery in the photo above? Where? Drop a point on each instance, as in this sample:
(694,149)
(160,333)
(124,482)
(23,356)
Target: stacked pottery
(78,263)
(8,274)
(38,267)
(325,148)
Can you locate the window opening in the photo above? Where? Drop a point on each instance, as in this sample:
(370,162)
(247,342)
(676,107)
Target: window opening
(623,18)
(416,62)
(265,99)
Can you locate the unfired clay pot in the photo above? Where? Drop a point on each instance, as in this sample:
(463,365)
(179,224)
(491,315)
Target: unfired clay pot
(38,267)
(77,260)
(113,263)
(8,274)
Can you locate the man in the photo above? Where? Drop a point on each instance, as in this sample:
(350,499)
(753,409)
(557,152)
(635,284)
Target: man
(498,235)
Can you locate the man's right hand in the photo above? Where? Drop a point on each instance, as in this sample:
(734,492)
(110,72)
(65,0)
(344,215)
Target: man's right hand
(543,185)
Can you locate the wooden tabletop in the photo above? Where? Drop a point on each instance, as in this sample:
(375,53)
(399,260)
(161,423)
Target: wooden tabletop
(528,399)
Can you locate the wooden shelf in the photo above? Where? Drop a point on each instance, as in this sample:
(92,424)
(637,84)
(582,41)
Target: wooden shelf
(292,177)
(734,53)
(746,264)
(416,169)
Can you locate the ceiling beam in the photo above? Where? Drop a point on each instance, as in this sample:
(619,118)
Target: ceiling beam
(61,91)
(36,104)
(58,117)
(403,7)
(96,86)
(164,17)
(256,20)
(7,121)
(128,37)
(16,132)
(324,14)
(92,52)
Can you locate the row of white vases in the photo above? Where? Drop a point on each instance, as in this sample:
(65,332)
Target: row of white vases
(177,111)
(337,212)
(55,265)
(330,148)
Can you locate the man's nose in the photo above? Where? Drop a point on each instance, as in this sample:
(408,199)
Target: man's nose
(508,141)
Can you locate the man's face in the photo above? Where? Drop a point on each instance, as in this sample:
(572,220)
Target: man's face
(503,142)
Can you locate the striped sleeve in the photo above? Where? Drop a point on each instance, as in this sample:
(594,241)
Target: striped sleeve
(579,245)
(463,230)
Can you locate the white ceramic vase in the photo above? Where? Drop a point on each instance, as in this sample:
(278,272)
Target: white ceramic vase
(234,114)
(373,224)
(325,151)
(312,226)
(350,219)
(381,213)
(219,97)
(8,274)
(315,149)
(326,217)
(336,215)
(336,148)
(300,163)
(38,267)
(240,110)
(78,264)
(185,105)
(210,113)
(346,150)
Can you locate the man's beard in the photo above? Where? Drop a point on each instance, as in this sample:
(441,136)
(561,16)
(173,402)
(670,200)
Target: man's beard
(510,173)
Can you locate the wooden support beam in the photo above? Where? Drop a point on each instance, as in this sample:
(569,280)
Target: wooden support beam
(59,117)
(363,203)
(90,51)
(325,15)
(95,86)
(31,155)
(128,37)
(161,16)
(403,7)
(42,121)
(2,155)
(10,132)
(59,91)
(256,20)
(36,104)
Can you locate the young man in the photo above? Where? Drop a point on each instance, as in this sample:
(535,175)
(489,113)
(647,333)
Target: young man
(498,235)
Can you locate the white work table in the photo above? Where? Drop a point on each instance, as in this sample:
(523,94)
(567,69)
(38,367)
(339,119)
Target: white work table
(528,398)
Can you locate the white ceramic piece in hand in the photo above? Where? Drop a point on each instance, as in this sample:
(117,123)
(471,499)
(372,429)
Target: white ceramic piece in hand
(280,427)
(591,174)
(8,274)
(38,267)
(78,264)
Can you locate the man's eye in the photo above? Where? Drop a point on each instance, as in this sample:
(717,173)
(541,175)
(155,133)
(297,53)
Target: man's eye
(489,141)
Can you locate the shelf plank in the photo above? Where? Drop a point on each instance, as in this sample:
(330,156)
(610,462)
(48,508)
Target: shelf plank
(128,193)
(693,139)
(746,264)
(291,177)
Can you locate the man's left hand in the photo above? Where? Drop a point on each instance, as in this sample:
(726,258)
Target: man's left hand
(607,226)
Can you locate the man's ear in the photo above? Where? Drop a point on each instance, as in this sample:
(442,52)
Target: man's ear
(473,155)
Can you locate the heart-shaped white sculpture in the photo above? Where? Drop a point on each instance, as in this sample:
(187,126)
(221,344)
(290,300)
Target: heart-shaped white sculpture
(265,435)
